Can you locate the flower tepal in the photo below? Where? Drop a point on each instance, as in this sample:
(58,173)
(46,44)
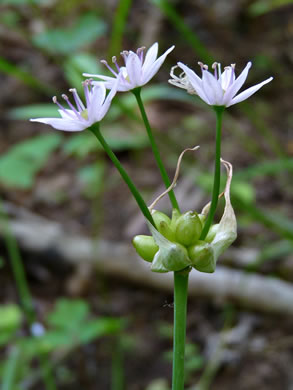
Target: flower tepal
(217,88)
(138,69)
(80,116)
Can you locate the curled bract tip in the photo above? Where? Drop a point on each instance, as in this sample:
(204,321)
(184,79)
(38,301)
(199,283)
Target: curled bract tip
(173,184)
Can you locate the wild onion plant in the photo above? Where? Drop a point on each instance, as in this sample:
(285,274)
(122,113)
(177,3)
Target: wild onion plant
(183,241)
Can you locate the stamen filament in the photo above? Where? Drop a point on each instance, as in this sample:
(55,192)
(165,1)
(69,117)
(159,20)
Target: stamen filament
(124,55)
(214,66)
(77,100)
(86,92)
(139,52)
(219,71)
(65,97)
(114,60)
(104,62)
(61,107)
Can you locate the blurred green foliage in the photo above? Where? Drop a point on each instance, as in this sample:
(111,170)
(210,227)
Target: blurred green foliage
(68,326)
(88,28)
(19,166)
(261,7)
(10,321)
(92,177)
(77,64)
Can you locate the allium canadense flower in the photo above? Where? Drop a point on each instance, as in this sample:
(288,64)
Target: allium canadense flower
(79,116)
(138,70)
(218,89)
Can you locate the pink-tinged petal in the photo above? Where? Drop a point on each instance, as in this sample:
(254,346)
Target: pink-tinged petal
(234,88)
(149,73)
(106,105)
(133,67)
(100,76)
(248,92)
(62,124)
(123,85)
(150,56)
(195,81)
(227,78)
(67,114)
(212,88)
(97,99)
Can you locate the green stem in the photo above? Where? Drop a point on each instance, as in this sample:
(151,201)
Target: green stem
(119,24)
(155,149)
(217,174)
(95,129)
(180,310)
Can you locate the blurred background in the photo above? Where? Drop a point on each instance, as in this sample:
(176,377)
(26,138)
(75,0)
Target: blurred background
(98,319)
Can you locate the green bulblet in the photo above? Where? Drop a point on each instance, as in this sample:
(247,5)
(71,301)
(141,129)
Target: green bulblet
(158,217)
(173,257)
(163,222)
(212,233)
(175,216)
(202,257)
(202,218)
(145,246)
(188,228)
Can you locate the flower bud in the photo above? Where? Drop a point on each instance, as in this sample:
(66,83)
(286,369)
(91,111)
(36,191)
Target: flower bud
(145,246)
(212,233)
(188,228)
(202,256)
(163,223)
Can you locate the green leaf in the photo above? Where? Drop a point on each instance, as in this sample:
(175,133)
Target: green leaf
(80,63)
(68,313)
(80,145)
(10,321)
(99,327)
(92,178)
(65,41)
(10,317)
(19,166)
(34,111)
(273,167)
(261,7)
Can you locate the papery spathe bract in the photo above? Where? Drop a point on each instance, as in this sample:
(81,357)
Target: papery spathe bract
(217,89)
(137,71)
(79,116)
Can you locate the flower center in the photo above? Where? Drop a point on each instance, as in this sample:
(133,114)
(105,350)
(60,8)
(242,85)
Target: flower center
(84,114)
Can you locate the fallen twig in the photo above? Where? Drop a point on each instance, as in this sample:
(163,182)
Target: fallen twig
(263,293)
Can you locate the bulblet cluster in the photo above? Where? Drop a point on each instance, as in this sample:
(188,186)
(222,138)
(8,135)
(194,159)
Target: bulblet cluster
(177,244)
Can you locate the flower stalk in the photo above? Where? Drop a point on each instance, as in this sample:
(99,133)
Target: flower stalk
(217,173)
(165,177)
(95,129)
(179,332)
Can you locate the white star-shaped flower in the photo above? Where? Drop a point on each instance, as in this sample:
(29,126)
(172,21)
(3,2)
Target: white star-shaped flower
(137,70)
(218,89)
(80,116)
